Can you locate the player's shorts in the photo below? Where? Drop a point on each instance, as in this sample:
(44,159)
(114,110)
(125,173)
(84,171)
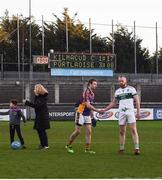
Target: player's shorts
(126,117)
(81,120)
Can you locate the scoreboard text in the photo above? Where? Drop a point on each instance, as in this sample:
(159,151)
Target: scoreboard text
(82,60)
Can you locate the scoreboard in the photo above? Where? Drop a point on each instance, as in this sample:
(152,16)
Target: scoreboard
(82,60)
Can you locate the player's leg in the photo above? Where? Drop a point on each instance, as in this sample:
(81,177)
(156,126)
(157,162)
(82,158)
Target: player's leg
(88,134)
(122,137)
(79,121)
(74,134)
(135,138)
(134,133)
(122,132)
(72,137)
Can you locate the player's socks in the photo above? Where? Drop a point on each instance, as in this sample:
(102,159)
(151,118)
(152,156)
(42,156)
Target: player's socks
(88,149)
(121,146)
(136,146)
(121,149)
(87,146)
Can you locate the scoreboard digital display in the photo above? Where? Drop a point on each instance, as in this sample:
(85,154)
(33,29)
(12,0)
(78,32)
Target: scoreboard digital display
(40,59)
(82,60)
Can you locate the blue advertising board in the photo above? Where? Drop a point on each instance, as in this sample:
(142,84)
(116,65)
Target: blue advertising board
(80,72)
(157,113)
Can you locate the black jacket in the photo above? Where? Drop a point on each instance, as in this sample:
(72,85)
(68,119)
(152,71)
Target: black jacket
(41,111)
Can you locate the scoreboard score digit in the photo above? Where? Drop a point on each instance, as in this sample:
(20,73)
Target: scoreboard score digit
(40,59)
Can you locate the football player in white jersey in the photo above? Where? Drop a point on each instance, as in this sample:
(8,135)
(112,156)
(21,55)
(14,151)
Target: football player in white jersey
(125,96)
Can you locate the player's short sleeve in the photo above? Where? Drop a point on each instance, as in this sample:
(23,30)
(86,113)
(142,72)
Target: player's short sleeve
(115,95)
(134,92)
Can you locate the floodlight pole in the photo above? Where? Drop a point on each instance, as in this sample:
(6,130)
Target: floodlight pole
(23,56)
(2,66)
(90,36)
(157,63)
(67,36)
(18,46)
(30,60)
(113,37)
(30,53)
(113,46)
(135,53)
(42,36)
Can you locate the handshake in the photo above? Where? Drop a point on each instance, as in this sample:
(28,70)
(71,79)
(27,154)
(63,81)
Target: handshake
(101,111)
(94,120)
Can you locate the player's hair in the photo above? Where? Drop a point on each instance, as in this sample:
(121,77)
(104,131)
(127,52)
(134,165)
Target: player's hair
(40,89)
(14,102)
(91,81)
(122,76)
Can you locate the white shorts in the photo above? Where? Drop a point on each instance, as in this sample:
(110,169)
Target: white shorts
(127,117)
(80,119)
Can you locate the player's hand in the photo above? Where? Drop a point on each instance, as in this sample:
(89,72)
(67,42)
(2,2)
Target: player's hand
(24,100)
(138,116)
(101,111)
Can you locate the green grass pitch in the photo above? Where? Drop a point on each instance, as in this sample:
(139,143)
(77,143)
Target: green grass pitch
(106,163)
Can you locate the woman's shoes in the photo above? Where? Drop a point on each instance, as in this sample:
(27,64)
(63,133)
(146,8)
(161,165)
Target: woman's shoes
(43,147)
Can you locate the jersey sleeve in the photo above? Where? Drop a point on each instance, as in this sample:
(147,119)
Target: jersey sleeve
(86,95)
(134,92)
(115,95)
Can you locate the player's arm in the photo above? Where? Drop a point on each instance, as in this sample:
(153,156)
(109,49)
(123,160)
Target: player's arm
(137,102)
(92,114)
(87,101)
(113,103)
(91,107)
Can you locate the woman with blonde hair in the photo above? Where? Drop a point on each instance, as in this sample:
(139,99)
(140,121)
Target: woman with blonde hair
(41,122)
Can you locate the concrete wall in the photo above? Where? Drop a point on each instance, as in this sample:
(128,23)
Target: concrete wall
(65,91)
(69,91)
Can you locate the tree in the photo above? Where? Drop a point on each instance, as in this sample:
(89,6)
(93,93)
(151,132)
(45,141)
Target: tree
(78,35)
(154,62)
(8,39)
(124,50)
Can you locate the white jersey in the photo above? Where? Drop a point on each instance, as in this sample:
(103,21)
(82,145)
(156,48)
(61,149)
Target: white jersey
(125,98)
